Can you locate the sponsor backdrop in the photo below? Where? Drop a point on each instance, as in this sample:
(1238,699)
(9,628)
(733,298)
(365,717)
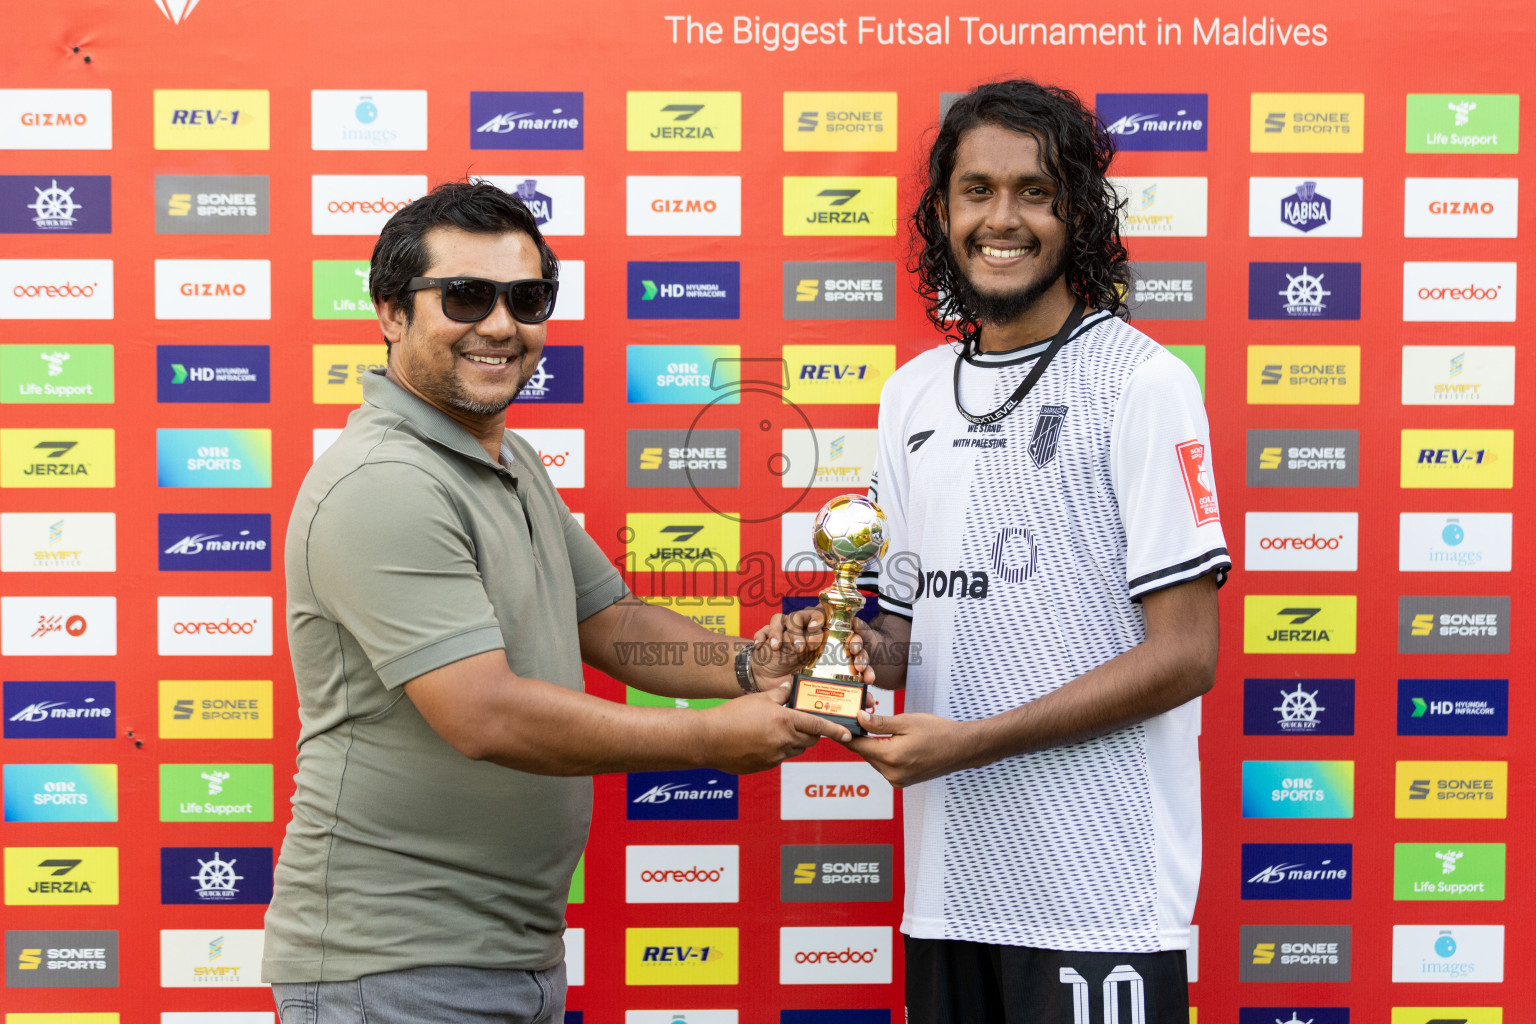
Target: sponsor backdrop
(1322,204)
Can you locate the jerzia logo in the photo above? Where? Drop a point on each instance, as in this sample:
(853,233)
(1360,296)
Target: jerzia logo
(693,121)
(839,206)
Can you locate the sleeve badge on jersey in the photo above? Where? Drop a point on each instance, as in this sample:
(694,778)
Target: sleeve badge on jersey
(1198,483)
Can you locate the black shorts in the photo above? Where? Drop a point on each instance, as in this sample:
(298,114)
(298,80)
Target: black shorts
(977,983)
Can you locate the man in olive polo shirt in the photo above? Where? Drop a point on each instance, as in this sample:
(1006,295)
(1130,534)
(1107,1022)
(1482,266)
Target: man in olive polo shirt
(441,602)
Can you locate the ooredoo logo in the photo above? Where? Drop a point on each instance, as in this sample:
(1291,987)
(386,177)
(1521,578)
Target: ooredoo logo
(682,874)
(845,956)
(215,625)
(683,205)
(563,453)
(360,204)
(1459,292)
(1302,541)
(835,791)
(55,118)
(213,289)
(55,289)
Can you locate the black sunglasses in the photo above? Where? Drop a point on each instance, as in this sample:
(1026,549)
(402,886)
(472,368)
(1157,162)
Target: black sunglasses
(467,299)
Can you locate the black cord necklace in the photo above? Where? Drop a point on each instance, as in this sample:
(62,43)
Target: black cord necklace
(1057,342)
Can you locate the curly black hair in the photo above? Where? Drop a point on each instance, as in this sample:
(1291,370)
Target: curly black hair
(1075,150)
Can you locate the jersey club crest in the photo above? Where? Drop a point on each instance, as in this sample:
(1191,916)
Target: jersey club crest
(1042,446)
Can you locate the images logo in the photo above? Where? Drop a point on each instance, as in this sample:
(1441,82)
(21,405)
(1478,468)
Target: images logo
(1301,541)
(839,122)
(1448,871)
(1461,207)
(1162,206)
(222,709)
(1299,625)
(1452,789)
(839,206)
(1455,954)
(60,876)
(679,206)
(683,458)
(1303,291)
(60,710)
(1298,789)
(360,204)
(1458,375)
(698,794)
(213,290)
(212,373)
(1298,707)
(1468,542)
(215,792)
(240,457)
(682,874)
(61,959)
(215,625)
(1306,122)
(1462,123)
(225,958)
(377,119)
(60,792)
(525,120)
(1167,291)
(1298,871)
(558,202)
(1459,292)
(55,289)
(58,626)
(56,374)
(681,956)
(683,374)
(55,119)
(838,374)
(834,791)
(211,204)
(835,874)
(1294,953)
(1453,707)
(684,290)
(829,458)
(683,121)
(839,290)
(212,119)
(215,542)
(78,204)
(1458,458)
(204,875)
(837,956)
(1156,122)
(1320,208)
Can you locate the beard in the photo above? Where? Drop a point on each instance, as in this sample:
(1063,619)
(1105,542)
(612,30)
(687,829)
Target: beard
(1006,307)
(446,391)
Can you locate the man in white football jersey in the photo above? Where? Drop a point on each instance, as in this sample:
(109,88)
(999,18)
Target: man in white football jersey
(1056,548)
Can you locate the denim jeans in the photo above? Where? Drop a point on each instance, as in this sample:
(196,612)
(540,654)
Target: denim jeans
(428,995)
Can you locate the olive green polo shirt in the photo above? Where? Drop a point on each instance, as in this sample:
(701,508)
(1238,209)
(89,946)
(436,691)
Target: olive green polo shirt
(410,549)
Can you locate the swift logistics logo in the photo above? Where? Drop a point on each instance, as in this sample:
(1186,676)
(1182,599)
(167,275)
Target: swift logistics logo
(215,792)
(840,122)
(215,709)
(834,791)
(1298,871)
(1463,123)
(1453,625)
(55,626)
(837,290)
(1156,122)
(61,959)
(695,794)
(57,374)
(1311,624)
(212,204)
(1461,207)
(1312,208)
(1167,291)
(683,458)
(1306,122)
(840,206)
(682,374)
(1459,292)
(693,122)
(829,458)
(1452,789)
(838,374)
(61,792)
(376,119)
(222,958)
(219,119)
(213,289)
(360,204)
(212,373)
(1303,374)
(1448,871)
(1453,707)
(65,710)
(338,370)
(526,120)
(1304,291)
(682,874)
(55,289)
(1465,542)
(684,290)
(1298,789)
(835,956)
(214,625)
(61,876)
(681,956)
(209,876)
(1301,541)
(1458,459)
(75,204)
(835,874)
(1454,954)
(1294,952)
(339,290)
(1458,375)
(237,457)
(1298,707)
(215,542)
(1169,206)
(58,542)
(675,206)
(55,119)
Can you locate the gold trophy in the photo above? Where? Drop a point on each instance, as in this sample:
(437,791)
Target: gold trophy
(849,532)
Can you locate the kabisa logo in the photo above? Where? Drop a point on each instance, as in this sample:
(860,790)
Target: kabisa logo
(64,876)
(55,119)
(1459,292)
(212,373)
(1448,871)
(683,121)
(1304,291)
(56,374)
(1298,789)
(825,874)
(215,542)
(1298,707)
(1297,871)
(1455,954)
(840,206)
(1306,208)
(839,290)
(846,956)
(1312,624)
(1156,122)
(380,119)
(526,120)
(1311,208)
(681,956)
(1294,953)
(60,710)
(1458,458)
(209,876)
(833,791)
(682,206)
(558,202)
(1463,123)
(215,792)
(1452,789)
(1316,122)
(61,959)
(683,374)
(55,290)
(211,204)
(212,119)
(1167,291)
(684,290)
(1469,542)
(843,122)
(239,457)
(1453,707)
(700,794)
(75,205)
(682,874)
(557,379)
(1458,375)
(61,792)
(1170,206)
(1461,207)
(1453,625)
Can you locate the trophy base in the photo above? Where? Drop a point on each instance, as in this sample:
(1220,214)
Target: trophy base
(833,699)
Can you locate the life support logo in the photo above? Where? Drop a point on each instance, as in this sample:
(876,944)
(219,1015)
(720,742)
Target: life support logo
(562,452)
(1463,123)
(845,956)
(840,122)
(55,119)
(1452,789)
(1448,871)
(682,874)
(683,121)
(681,956)
(834,791)
(1306,122)
(56,290)
(1459,292)
(57,374)
(219,119)
(215,625)
(215,792)
(360,204)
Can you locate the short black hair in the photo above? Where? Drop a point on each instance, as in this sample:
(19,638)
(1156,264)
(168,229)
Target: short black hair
(476,206)
(1075,150)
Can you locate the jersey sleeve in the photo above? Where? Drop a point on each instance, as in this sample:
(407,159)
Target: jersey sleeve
(888,489)
(1161,466)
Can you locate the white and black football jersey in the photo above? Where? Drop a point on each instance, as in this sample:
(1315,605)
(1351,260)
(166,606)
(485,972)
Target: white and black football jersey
(1019,550)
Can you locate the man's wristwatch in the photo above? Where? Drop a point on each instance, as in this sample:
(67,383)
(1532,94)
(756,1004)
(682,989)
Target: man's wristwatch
(744,676)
